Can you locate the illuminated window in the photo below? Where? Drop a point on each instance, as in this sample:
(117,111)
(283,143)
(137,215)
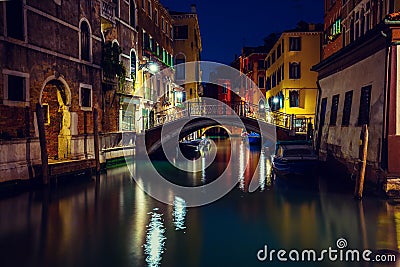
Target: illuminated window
(225,88)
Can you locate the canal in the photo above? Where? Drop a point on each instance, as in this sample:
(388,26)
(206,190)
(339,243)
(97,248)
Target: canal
(112,222)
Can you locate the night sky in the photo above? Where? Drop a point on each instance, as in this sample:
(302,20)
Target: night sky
(227,25)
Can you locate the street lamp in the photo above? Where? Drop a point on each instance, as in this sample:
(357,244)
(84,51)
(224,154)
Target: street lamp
(276,100)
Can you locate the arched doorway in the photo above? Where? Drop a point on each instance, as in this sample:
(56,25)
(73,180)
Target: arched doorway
(55,99)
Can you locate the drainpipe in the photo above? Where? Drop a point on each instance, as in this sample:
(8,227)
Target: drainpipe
(385,126)
(317,118)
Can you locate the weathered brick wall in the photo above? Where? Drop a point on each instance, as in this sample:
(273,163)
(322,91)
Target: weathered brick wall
(53,129)
(48,34)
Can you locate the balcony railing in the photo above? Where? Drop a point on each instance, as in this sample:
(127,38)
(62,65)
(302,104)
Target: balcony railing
(108,10)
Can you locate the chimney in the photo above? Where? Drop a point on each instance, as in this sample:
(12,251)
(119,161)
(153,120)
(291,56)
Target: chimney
(193,8)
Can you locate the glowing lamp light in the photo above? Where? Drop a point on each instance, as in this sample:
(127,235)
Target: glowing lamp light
(276,100)
(150,66)
(153,67)
(262,106)
(179,95)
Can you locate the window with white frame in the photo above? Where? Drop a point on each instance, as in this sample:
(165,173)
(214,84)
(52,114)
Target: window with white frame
(85,96)
(162,23)
(150,10)
(156,16)
(16,91)
(15,19)
(368,16)
(116,3)
(133,65)
(132,13)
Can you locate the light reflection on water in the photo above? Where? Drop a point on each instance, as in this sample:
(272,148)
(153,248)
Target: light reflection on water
(155,240)
(263,173)
(112,223)
(242,165)
(179,213)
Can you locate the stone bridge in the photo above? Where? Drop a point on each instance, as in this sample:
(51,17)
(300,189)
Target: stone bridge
(177,124)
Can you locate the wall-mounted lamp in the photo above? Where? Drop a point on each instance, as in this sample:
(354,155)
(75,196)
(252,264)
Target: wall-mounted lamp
(152,67)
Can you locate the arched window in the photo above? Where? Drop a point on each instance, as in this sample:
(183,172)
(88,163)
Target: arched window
(132,13)
(85,41)
(180,67)
(133,65)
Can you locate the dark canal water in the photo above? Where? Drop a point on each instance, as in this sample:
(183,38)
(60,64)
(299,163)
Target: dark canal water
(114,223)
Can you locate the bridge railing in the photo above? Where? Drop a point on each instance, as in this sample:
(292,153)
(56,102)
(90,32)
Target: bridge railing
(169,115)
(298,124)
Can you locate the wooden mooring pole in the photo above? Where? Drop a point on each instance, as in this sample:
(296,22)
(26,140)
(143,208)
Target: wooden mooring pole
(96,139)
(360,181)
(43,147)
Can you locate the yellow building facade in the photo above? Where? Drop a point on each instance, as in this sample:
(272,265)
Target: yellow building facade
(187,49)
(291,86)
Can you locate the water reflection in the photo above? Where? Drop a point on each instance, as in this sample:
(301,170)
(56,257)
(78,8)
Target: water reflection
(203,169)
(263,173)
(179,213)
(155,239)
(242,165)
(109,224)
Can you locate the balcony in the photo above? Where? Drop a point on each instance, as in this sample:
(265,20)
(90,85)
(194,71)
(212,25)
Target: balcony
(108,11)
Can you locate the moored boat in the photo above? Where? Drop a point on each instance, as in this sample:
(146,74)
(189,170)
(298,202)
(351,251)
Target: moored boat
(294,160)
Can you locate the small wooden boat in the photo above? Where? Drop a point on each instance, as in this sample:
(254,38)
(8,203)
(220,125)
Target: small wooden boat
(295,159)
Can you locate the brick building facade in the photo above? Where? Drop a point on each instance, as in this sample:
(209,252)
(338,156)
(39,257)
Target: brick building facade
(57,66)
(333,39)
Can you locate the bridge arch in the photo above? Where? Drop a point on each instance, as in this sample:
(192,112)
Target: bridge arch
(217,126)
(154,140)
